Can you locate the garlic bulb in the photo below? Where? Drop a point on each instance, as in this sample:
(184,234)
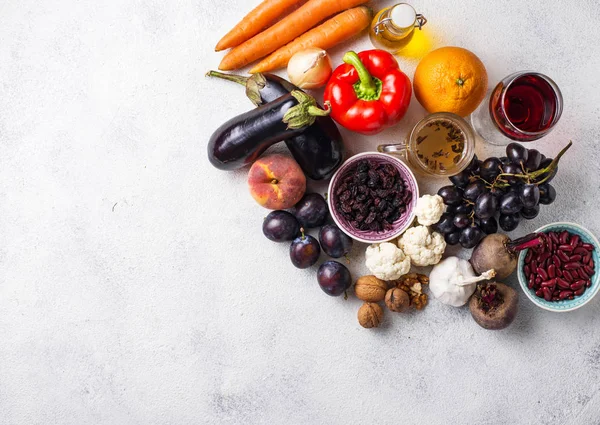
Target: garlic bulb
(310,68)
(453,281)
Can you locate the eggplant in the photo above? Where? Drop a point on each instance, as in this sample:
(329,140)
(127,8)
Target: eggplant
(319,149)
(242,139)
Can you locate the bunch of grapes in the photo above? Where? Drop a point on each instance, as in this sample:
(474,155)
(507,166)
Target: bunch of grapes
(497,192)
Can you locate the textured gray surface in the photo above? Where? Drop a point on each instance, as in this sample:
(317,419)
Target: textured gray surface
(135,284)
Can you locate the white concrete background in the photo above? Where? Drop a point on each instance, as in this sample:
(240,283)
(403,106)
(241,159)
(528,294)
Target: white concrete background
(136,286)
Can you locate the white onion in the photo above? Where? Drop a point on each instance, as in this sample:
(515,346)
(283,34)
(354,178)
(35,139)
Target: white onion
(310,68)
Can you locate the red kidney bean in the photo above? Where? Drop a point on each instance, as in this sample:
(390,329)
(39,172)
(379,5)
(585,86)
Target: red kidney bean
(579,292)
(575,258)
(586,258)
(577,285)
(565,294)
(556,261)
(589,270)
(528,256)
(582,273)
(580,251)
(533,265)
(564,237)
(554,237)
(588,246)
(526,270)
(591,263)
(574,240)
(563,284)
(559,272)
(531,283)
(572,266)
(542,257)
(588,283)
(567,248)
(542,273)
(547,294)
(568,276)
(550,245)
(552,270)
(549,283)
(539,293)
(564,257)
(538,280)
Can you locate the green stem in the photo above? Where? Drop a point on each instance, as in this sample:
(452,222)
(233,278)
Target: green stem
(305,112)
(369,87)
(240,79)
(550,168)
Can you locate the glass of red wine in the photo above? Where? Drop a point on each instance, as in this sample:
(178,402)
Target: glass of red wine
(524,106)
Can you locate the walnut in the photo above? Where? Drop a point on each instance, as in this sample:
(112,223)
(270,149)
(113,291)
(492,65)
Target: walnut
(397,300)
(370,289)
(412,284)
(370,315)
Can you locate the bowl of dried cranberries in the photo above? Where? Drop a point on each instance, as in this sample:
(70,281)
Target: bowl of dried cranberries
(372,197)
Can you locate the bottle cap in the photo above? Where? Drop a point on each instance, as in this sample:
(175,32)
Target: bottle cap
(403,15)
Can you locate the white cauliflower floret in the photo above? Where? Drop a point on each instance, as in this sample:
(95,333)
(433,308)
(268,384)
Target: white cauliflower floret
(424,248)
(386,261)
(429,209)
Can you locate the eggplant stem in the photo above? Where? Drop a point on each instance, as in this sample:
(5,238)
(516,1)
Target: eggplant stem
(240,79)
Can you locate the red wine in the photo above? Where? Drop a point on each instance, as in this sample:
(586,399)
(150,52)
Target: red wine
(531,105)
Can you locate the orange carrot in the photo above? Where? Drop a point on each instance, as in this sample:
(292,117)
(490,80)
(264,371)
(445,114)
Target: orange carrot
(284,31)
(332,32)
(261,17)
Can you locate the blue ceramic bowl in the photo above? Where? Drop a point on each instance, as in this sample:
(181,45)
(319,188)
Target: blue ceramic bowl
(563,305)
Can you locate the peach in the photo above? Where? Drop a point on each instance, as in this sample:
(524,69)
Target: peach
(276,182)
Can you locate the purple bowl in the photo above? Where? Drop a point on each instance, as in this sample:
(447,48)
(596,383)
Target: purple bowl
(400,225)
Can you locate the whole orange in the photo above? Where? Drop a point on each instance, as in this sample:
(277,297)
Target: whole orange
(450,79)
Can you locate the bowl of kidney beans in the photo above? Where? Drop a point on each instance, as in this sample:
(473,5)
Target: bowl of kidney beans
(372,197)
(561,274)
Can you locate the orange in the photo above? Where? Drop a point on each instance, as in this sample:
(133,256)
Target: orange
(450,79)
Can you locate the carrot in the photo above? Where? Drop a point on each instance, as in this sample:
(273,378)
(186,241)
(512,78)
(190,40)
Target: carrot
(254,22)
(284,31)
(332,32)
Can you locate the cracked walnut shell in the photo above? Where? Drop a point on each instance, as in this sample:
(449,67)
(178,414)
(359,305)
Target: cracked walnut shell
(397,300)
(370,289)
(370,315)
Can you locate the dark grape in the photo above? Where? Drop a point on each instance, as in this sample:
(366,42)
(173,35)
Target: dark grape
(497,192)
(473,166)
(545,163)
(304,251)
(452,208)
(534,160)
(547,194)
(463,209)
(446,224)
(530,195)
(334,242)
(517,153)
(470,236)
(509,222)
(488,225)
(511,203)
(486,206)
(512,169)
(530,213)
(334,278)
(280,226)
(461,221)
(461,179)
(311,210)
(504,160)
(452,238)
(474,190)
(451,195)
(490,168)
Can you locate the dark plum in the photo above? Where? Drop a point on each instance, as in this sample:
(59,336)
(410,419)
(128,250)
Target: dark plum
(530,213)
(304,251)
(486,206)
(461,179)
(334,278)
(530,195)
(311,211)
(461,221)
(334,242)
(281,226)
(547,194)
(509,222)
(474,190)
(452,238)
(451,195)
(517,153)
(489,169)
(470,236)
(511,203)
(446,224)
(534,160)
(489,225)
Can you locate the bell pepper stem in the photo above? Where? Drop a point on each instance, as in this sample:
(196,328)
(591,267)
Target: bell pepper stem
(305,112)
(369,88)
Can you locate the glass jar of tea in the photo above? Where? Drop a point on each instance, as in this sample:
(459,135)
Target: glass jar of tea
(393,27)
(441,145)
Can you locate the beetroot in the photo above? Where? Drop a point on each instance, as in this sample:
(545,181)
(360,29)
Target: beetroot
(494,305)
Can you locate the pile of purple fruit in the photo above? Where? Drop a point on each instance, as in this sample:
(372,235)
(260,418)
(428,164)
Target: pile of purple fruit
(497,192)
(312,212)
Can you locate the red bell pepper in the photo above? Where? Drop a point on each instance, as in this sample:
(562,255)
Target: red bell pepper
(368,92)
